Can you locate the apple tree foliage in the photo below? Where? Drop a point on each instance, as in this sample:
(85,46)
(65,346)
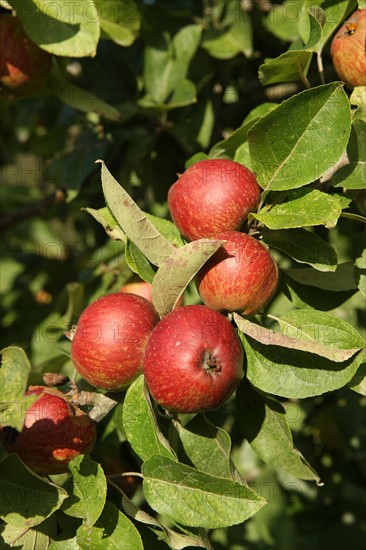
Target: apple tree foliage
(146,88)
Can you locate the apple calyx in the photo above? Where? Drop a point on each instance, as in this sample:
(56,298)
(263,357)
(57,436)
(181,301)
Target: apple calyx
(210,363)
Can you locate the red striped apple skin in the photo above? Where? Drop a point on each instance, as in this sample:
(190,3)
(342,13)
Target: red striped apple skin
(213,196)
(23,65)
(241,276)
(109,342)
(348,50)
(193,360)
(55,431)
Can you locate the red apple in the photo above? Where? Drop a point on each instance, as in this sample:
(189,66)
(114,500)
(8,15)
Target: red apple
(55,431)
(193,360)
(348,50)
(109,342)
(23,65)
(240,276)
(213,196)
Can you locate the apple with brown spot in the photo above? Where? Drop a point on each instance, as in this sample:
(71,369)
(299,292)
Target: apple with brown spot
(348,50)
(55,431)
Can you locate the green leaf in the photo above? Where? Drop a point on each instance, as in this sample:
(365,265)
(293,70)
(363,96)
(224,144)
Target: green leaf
(304,247)
(87,490)
(133,221)
(360,269)
(287,67)
(26,499)
(120,20)
(111,529)
(298,374)
(195,498)
(167,228)
(282,20)
(67,28)
(81,100)
(263,422)
(14,372)
(343,278)
(228,146)
(229,42)
(138,262)
(140,425)
(178,270)
(38,537)
(284,144)
(303,331)
(207,446)
(353,175)
(303,207)
(105,217)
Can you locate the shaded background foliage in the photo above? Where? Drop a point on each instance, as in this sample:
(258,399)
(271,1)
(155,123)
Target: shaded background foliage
(178,80)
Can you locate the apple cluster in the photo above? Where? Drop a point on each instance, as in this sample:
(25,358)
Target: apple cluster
(192,359)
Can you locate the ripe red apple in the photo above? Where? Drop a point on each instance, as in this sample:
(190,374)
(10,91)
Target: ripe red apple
(23,65)
(109,342)
(348,50)
(55,431)
(240,276)
(193,360)
(212,196)
(144,289)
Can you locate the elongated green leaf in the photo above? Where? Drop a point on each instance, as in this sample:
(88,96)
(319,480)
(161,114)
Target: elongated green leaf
(360,270)
(105,217)
(195,498)
(35,538)
(229,42)
(284,144)
(120,20)
(87,490)
(14,372)
(353,175)
(167,228)
(342,279)
(263,422)
(26,499)
(287,67)
(133,221)
(82,100)
(303,207)
(228,146)
(301,331)
(304,247)
(293,373)
(178,270)
(138,263)
(206,446)
(140,425)
(112,530)
(68,28)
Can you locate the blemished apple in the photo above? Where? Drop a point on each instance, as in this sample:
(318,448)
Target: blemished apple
(109,342)
(193,360)
(55,431)
(348,50)
(213,196)
(23,64)
(241,276)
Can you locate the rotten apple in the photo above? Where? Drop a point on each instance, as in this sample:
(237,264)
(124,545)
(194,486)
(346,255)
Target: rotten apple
(193,360)
(23,64)
(348,50)
(55,431)
(241,276)
(110,338)
(212,196)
